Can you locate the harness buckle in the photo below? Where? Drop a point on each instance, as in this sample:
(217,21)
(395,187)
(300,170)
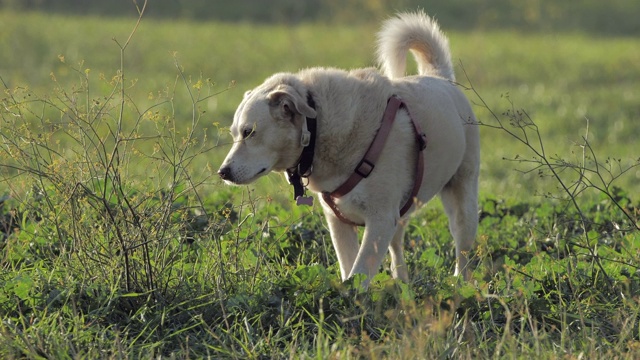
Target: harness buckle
(422,141)
(364,168)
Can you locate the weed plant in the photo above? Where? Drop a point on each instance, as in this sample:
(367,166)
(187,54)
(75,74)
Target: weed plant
(115,245)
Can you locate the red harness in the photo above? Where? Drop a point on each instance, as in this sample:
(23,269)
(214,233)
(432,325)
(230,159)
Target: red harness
(368,162)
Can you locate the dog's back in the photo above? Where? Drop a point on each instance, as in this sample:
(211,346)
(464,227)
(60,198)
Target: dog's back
(420,34)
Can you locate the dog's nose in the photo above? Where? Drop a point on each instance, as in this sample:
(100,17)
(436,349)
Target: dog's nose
(225,173)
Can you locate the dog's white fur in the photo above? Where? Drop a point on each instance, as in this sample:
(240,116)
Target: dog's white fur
(267,130)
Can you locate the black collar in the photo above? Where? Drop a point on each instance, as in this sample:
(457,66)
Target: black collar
(304,167)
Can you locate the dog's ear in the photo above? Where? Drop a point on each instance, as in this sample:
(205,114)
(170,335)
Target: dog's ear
(285,103)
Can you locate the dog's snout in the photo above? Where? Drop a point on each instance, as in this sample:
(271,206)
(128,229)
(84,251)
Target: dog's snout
(225,173)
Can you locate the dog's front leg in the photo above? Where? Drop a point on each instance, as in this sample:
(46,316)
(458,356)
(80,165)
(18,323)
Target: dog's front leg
(398,265)
(345,241)
(378,234)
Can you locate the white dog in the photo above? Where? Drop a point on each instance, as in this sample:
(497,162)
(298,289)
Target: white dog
(318,124)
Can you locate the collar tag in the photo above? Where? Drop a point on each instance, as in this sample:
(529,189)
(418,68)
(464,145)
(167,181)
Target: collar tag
(304,200)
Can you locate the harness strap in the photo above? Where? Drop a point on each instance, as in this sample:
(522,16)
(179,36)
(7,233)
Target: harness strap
(367,164)
(421,138)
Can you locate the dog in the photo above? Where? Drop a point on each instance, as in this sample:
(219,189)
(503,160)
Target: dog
(272,132)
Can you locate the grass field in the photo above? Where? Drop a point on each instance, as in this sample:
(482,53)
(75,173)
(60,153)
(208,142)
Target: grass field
(119,241)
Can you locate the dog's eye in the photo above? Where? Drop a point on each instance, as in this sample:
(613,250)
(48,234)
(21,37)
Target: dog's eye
(247,133)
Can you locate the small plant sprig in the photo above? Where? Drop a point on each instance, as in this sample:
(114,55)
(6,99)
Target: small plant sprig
(74,160)
(574,178)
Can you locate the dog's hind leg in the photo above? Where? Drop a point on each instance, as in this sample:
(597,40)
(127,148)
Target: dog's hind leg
(345,242)
(398,266)
(460,200)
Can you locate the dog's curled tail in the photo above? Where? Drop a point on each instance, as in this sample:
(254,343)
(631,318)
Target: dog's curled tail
(420,34)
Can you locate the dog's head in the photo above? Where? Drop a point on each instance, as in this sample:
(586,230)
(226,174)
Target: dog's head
(266,130)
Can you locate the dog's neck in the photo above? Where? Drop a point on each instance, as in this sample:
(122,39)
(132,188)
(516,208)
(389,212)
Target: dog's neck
(343,122)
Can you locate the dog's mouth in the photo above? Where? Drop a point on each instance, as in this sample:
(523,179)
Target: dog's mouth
(230,178)
(255,177)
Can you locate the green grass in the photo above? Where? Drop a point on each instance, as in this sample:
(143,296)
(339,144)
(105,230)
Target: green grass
(118,240)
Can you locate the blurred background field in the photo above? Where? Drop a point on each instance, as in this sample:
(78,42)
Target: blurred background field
(593,16)
(569,69)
